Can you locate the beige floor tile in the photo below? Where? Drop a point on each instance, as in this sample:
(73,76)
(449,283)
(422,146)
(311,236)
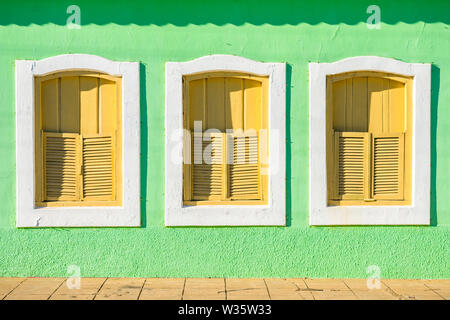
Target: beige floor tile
(112,283)
(293,284)
(414,294)
(445,293)
(248,294)
(164,283)
(361,284)
(39,286)
(236,284)
(326,284)
(8,284)
(24,296)
(437,284)
(375,294)
(72,297)
(404,284)
(299,282)
(117,295)
(161,294)
(205,283)
(120,289)
(334,295)
(283,294)
(88,286)
(203,294)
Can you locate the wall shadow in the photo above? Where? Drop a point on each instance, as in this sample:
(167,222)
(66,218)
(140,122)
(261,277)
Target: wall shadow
(288,147)
(199,12)
(435,85)
(143,143)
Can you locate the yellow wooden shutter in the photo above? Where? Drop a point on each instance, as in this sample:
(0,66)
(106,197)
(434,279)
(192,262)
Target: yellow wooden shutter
(244,167)
(98,167)
(225,102)
(351,164)
(387,163)
(61,166)
(208,167)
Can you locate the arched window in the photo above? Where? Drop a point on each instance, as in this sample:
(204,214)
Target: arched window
(369,130)
(369,142)
(225,142)
(226,116)
(78,139)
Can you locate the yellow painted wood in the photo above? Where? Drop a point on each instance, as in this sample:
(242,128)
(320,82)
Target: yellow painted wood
(387,164)
(226,102)
(60,166)
(234,103)
(77,106)
(244,168)
(107,108)
(208,178)
(350,164)
(89,105)
(215,104)
(378,105)
(98,167)
(253,105)
(359,102)
(70,101)
(50,105)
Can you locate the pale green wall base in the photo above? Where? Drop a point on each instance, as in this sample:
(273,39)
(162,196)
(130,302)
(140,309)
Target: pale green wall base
(271,31)
(413,252)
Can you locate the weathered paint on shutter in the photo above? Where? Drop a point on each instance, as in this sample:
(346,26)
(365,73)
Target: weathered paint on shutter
(98,167)
(351,160)
(387,162)
(208,167)
(244,167)
(61,166)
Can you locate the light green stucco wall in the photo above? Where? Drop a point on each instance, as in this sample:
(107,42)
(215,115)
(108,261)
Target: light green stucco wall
(273,31)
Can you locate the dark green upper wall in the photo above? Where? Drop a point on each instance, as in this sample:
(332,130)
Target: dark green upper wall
(235,12)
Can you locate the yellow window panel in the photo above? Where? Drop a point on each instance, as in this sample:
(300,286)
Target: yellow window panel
(98,167)
(378,106)
(61,166)
(69,109)
(227,102)
(244,167)
(208,166)
(351,164)
(387,163)
(78,130)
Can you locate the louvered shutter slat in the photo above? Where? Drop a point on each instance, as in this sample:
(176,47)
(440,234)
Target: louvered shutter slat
(98,167)
(244,173)
(208,167)
(387,166)
(60,166)
(351,157)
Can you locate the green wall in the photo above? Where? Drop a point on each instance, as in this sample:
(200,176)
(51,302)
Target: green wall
(273,31)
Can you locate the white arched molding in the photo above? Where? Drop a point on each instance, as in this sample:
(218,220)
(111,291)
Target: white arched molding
(418,213)
(225,215)
(27,215)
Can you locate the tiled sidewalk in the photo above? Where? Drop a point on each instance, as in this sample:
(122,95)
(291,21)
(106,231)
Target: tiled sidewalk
(221,289)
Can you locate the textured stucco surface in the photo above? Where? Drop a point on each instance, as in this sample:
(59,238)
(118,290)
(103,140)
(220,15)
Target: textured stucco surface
(282,31)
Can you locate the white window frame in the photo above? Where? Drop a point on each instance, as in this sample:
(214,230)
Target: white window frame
(27,214)
(418,213)
(177,214)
